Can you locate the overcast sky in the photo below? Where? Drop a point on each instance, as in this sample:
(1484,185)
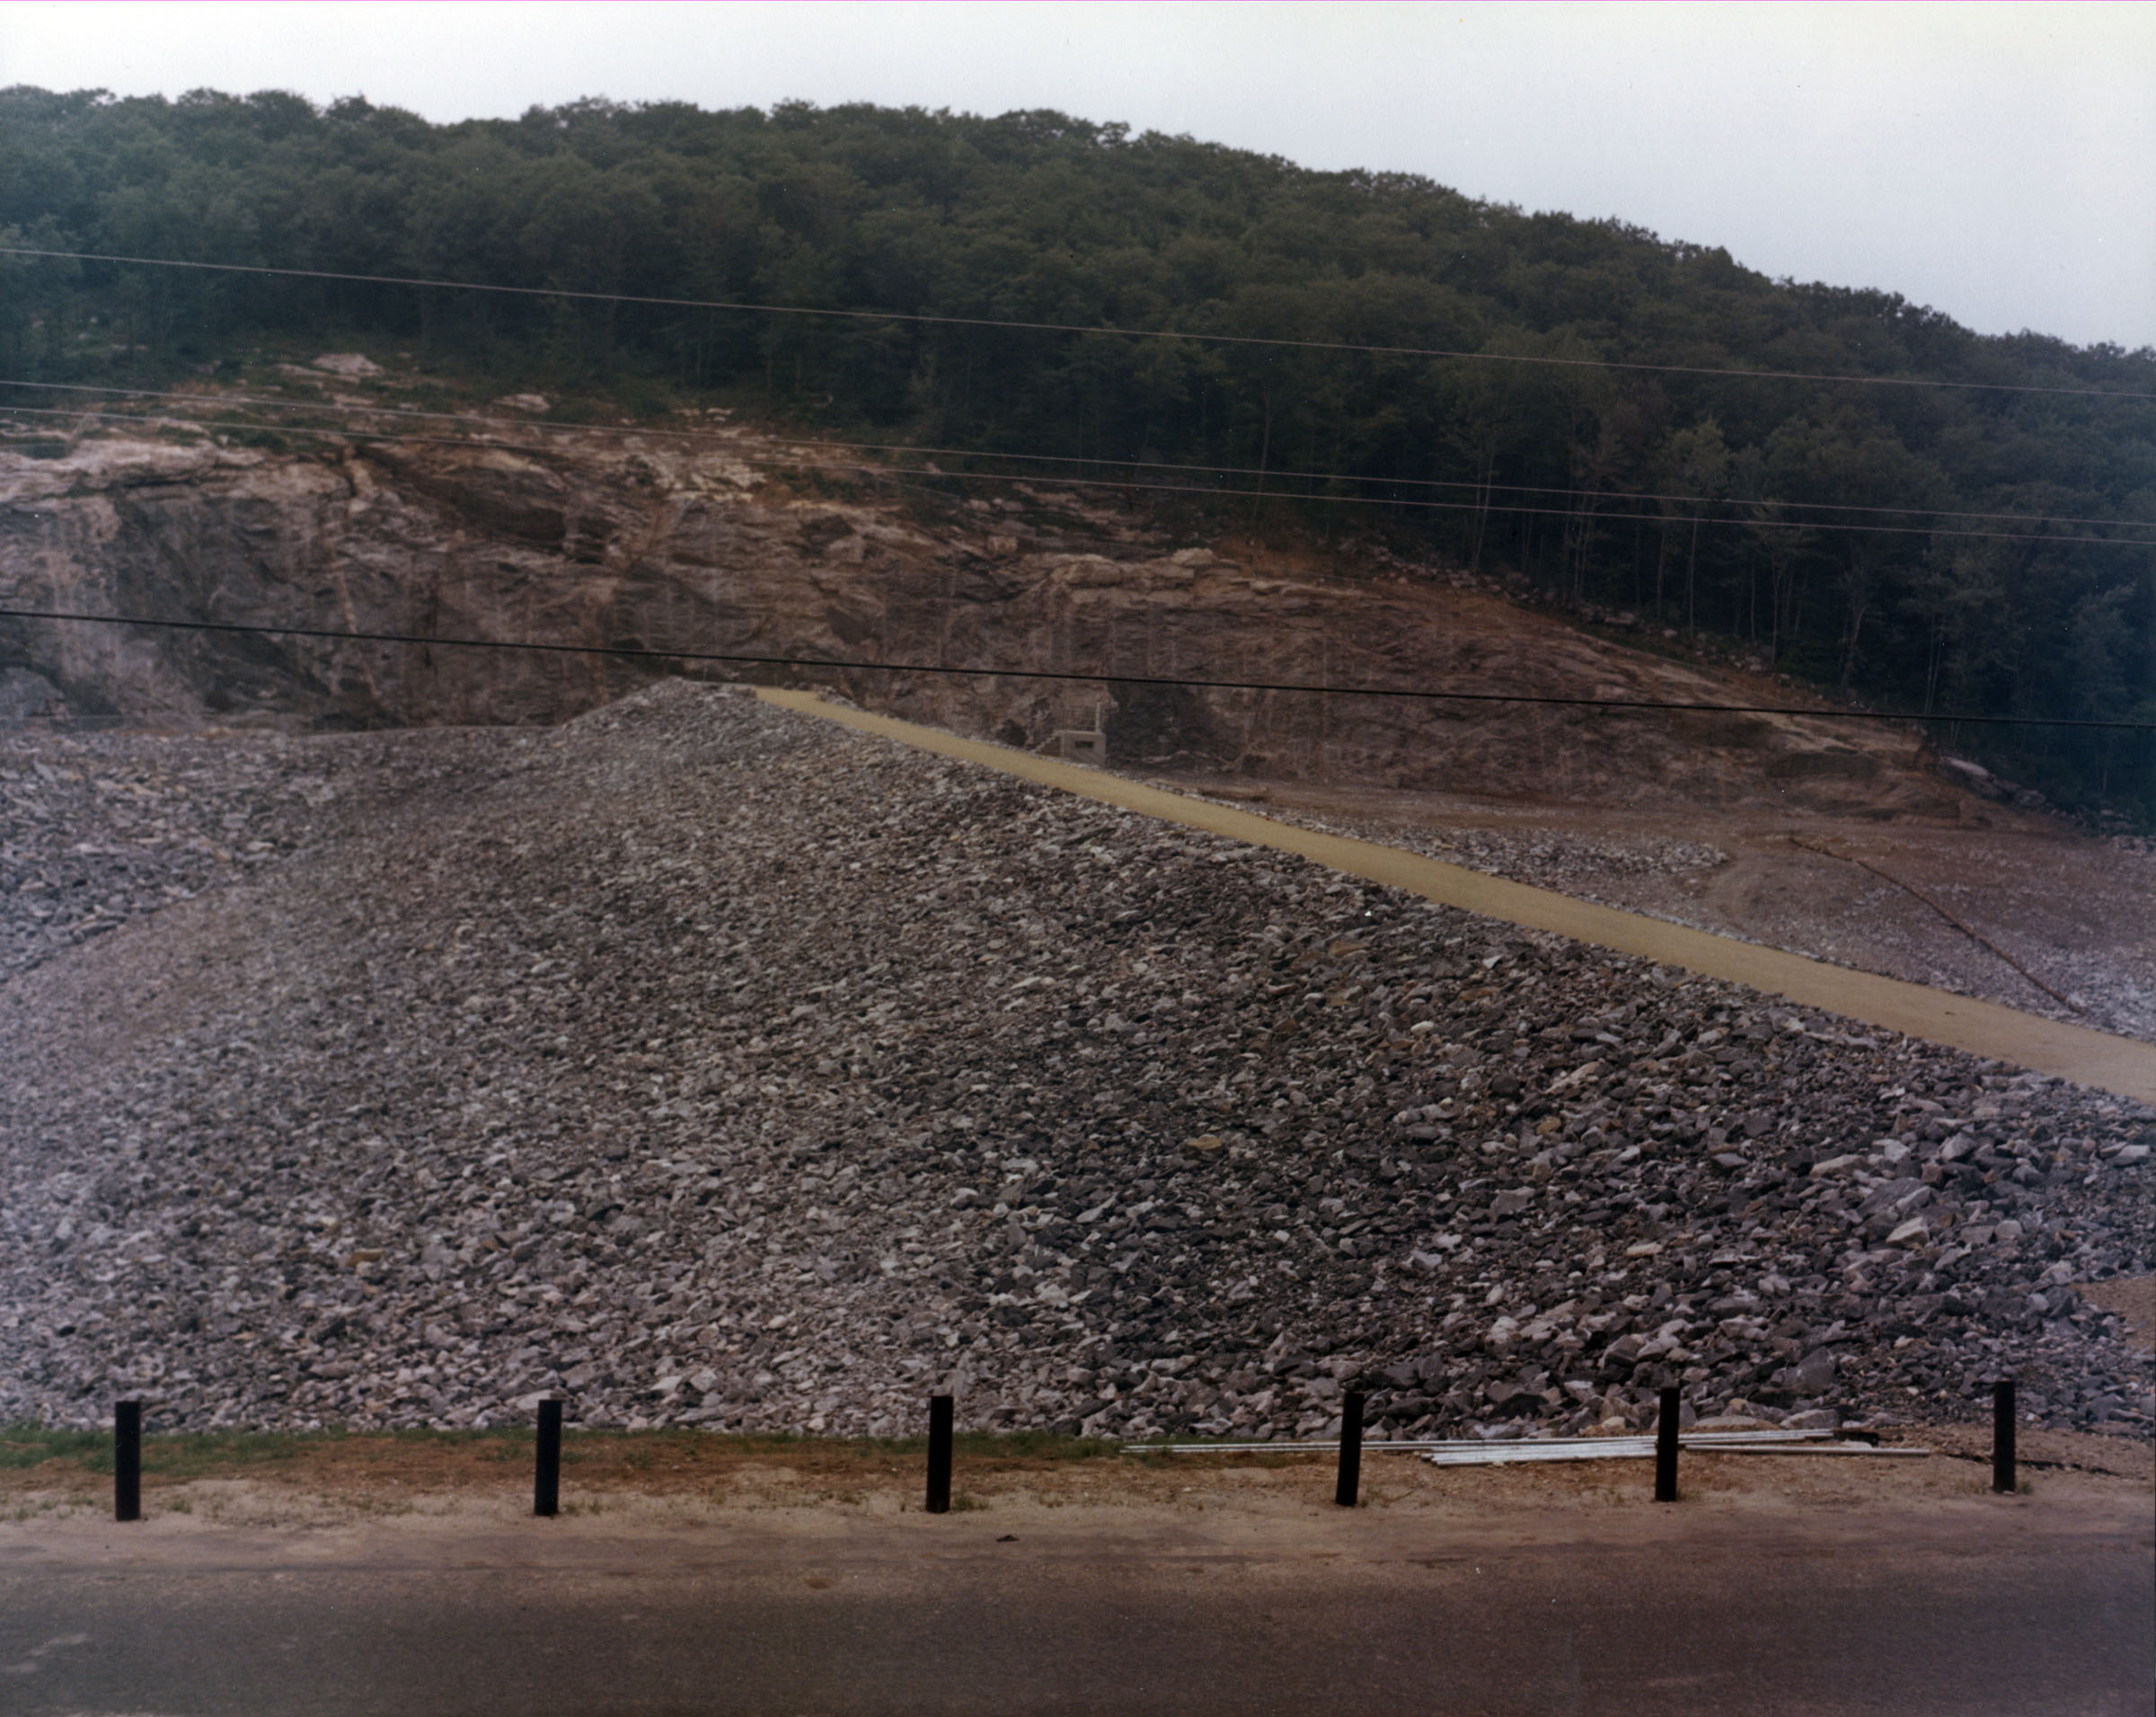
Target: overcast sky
(1997,160)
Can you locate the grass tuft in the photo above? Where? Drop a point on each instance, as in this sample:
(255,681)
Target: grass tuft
(180,1455)
(29,1444)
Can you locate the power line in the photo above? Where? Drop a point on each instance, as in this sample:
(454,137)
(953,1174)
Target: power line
(683,433)
(1430,483)
(1551,512)
(1126,486)
(1069,327)
(1182,682)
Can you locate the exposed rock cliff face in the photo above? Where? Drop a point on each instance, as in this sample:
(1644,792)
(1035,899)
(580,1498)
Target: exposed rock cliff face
(717,545)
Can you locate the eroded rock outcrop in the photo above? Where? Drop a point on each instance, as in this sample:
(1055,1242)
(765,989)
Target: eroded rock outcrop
(729,544)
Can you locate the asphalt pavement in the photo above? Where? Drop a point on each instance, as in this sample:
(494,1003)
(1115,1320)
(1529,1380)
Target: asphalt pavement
(2006,1609)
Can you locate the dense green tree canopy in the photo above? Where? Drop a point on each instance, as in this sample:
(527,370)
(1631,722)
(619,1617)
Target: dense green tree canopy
(1842,529)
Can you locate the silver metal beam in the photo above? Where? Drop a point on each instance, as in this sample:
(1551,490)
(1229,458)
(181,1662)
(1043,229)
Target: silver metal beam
(1475,1452)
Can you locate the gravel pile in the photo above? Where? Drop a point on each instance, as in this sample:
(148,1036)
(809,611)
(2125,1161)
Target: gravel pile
(97,829)
(2109,990)
(1558,861)
(719,1067)
(1580,865)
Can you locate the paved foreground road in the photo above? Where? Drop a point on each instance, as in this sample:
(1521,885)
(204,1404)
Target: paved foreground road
(1996,1608)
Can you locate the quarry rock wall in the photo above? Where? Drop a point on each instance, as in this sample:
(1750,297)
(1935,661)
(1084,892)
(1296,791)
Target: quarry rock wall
(639,541)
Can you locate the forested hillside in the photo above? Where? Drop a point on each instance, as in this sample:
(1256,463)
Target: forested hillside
(1977,548)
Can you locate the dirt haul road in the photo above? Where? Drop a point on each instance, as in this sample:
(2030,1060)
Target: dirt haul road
(2087,1057)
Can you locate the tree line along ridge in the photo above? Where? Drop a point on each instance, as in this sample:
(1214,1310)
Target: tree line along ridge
(1040,218)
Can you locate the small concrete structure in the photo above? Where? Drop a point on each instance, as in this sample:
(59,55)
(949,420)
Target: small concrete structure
(1077,745)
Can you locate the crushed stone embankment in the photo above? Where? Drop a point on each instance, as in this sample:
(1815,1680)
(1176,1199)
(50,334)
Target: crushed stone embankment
(721,1066)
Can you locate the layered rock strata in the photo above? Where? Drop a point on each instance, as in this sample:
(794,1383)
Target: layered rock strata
(732,543)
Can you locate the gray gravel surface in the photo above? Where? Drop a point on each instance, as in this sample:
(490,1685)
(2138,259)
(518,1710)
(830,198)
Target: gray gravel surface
(2107,989)
(98,828)
(716,1066)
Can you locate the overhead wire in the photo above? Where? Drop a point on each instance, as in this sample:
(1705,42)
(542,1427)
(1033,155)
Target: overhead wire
(686,432)
(1291,475)
(1127,486)
(1102,676)
(1017,324)
(1515,510)
(1484,506)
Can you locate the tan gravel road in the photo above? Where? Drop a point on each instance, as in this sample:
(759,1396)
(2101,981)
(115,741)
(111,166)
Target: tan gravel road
(2092,1058)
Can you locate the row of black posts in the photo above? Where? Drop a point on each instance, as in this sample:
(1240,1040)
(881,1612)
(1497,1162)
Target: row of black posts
(546,1489)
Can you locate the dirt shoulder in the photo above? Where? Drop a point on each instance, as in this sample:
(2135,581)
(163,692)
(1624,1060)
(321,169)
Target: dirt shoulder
(686,1477)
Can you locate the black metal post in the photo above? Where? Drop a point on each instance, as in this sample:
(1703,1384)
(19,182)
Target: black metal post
(938,1455)
(1665,1447)
(546,1487)
(127,1460)
(2003,1438)
(1351,1448)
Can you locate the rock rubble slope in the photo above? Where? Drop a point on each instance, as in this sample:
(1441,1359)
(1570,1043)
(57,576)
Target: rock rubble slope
(718,1065)
(2092,942)
(98,829)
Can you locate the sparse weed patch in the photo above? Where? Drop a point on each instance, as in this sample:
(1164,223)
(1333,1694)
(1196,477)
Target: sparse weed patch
(395,1465)
(27,1444)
